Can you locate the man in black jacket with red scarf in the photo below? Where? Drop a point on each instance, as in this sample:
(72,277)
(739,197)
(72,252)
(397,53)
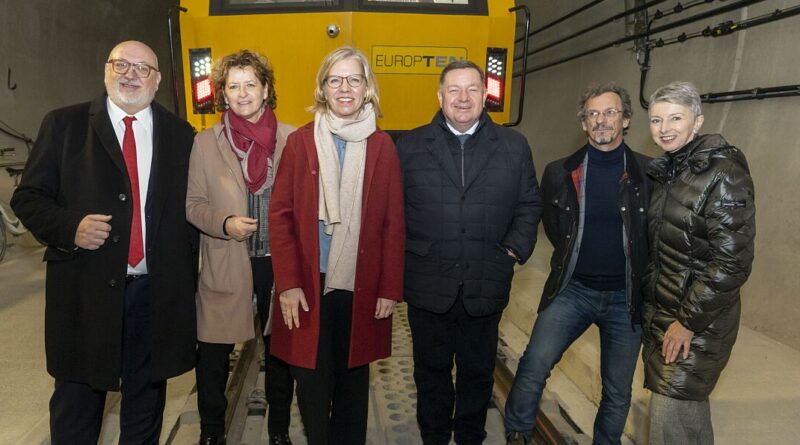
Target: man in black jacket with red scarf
(105,188)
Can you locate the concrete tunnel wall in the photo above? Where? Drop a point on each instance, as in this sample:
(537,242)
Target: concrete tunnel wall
(766,130)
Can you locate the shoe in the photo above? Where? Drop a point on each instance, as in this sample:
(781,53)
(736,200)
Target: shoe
(517,438)
(212,440)
(279,439)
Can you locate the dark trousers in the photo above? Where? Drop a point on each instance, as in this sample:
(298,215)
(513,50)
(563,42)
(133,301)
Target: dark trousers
(76,409)
(438,341)
(334,400)
(213,365)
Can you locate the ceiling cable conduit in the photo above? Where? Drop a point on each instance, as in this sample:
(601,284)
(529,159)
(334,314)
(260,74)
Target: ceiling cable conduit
(599,24)
(559,20)
(728,27)
(723,29)
(678,23)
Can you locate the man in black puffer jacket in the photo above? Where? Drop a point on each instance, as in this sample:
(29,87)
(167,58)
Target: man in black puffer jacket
(472,209)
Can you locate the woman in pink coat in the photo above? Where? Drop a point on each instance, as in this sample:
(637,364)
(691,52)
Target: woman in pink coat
(337,235)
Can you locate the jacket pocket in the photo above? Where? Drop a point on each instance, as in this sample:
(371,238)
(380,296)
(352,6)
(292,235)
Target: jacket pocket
(215,274)
(51,254)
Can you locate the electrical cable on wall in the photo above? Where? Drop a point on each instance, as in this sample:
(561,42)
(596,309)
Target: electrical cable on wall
(8,130)
(723,29)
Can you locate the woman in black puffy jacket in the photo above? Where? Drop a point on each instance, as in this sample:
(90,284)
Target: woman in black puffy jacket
(701,228)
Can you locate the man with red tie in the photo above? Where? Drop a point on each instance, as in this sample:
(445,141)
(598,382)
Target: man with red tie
(105,188)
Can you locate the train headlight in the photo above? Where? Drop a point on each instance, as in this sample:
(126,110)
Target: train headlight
(495,78)
(202,88)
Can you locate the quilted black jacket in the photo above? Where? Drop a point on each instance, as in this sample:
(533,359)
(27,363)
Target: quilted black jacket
(701,225)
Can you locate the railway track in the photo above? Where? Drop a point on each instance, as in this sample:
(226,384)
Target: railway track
(392,402)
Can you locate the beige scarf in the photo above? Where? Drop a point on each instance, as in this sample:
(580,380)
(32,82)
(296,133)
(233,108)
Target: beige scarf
(340,190)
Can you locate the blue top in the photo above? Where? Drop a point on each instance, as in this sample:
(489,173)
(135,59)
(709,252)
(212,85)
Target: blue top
(601,261)
(324,238)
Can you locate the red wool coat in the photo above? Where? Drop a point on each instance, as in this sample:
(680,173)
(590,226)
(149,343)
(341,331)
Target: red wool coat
(294,241)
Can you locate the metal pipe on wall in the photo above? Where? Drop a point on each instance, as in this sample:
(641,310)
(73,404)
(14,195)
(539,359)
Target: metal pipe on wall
(560,19)
(701,16)
(599,24)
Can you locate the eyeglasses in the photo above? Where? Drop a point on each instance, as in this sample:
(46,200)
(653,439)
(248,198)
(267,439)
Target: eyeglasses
(354,80)
(122,66)
(611,113)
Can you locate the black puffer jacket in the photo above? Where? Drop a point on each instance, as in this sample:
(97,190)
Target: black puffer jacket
(461,217)
(702,225)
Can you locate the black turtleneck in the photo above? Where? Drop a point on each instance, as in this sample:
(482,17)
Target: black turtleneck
(601,260)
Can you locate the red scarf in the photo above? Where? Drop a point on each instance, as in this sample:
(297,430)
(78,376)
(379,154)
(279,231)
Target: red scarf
(253,144)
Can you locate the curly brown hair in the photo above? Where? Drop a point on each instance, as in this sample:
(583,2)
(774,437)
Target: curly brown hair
(242,59)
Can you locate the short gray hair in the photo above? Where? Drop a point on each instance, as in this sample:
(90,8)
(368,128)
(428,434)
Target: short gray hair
(595,90)
(679,93)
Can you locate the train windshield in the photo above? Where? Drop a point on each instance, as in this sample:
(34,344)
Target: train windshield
(227,7)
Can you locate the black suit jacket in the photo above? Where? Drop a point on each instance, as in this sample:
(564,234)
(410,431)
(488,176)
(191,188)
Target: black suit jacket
(76,168)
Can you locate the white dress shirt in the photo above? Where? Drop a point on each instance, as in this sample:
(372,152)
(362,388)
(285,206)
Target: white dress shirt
(143,133)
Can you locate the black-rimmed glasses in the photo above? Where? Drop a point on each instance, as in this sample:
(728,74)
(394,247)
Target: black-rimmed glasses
(122,66)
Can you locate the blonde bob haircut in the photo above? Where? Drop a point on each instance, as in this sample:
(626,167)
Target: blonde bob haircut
(345,52)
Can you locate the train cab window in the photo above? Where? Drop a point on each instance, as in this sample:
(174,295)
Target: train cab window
(466,7)
(245,7)
(451,2)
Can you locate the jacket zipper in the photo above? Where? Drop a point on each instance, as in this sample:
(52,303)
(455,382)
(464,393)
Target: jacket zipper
(462,164)
(657,259)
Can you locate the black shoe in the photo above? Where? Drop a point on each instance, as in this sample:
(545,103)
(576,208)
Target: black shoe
(212,440)
(279,439)
(517,439)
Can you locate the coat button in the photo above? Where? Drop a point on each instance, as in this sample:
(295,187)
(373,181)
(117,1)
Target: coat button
(457,265)
(112,283)
(566,208)
(362,251)
(641,209)
(623,208)
(122,197)
(313,172)
(463,230)
(115,239)
(569,236)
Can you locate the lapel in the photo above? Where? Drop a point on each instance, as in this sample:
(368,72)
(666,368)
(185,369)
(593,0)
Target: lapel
(160,174)
(311,158)
(437,145)
(231,161)
(103,128)
(373,151)
(486,141)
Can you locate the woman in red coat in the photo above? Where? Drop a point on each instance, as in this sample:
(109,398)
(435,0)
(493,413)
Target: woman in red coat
(337,235)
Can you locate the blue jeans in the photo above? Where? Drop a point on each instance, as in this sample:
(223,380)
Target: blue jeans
(556,328)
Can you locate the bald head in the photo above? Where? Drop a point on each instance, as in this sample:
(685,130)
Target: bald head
(135,47)
(131,91)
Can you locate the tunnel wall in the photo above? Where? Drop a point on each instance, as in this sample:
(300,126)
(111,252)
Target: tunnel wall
(766,130)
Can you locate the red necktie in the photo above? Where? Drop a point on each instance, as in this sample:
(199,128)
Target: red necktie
(135,249)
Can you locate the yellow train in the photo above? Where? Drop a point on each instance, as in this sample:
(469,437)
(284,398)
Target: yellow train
(407,41)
